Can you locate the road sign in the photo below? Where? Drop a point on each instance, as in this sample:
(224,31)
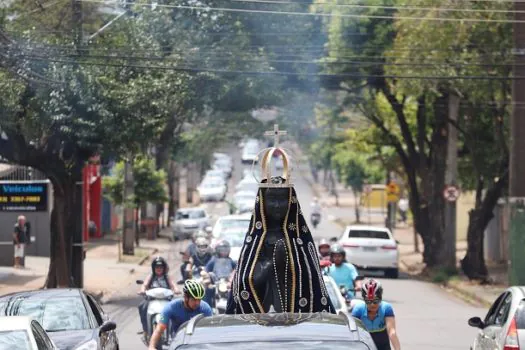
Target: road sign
(451,193)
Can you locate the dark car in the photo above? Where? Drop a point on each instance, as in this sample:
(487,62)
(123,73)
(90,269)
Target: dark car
(319,331)
(72,318)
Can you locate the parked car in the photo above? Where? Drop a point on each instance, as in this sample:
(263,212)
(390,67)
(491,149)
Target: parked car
(212,174)
(372,248)
(22,332)
(247,184)
(504,325)
(223,166)
(72,318)
(250,153)
(223,157)
(212,190)
(290,331)
(188,221)
(244,201)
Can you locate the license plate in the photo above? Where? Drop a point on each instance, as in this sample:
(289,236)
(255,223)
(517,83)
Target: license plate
(369,249)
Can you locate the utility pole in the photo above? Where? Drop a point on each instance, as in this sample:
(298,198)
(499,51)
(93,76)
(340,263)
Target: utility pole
(77,250)
(517,153)
(128,221)
(451,179)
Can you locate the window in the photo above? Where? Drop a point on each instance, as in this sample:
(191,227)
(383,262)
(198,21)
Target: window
(14,340)
(368,234)
(288,345)
(97,312)
(503,312)
(191,214)
(491,315)
(55,314)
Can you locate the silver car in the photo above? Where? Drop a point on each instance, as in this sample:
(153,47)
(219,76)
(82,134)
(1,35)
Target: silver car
(504,325)
(188,221)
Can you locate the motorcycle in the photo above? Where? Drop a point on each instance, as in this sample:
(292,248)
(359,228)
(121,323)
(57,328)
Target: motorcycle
(200,275)
(223,289)
(158,298)
(316,219)
(351,302)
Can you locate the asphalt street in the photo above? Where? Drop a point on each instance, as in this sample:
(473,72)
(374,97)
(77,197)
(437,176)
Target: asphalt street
(427,317)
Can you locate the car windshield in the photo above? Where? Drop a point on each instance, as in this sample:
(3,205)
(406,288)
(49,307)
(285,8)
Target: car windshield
(14,340)
(368,234)
(56,313)
(230,225)
(235,237)
(193,214)
(332,293)
(288,345)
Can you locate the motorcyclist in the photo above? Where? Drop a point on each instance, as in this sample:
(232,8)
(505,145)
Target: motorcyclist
(190,251)
(180,310)
(221,265)
(343,273)
(202,254)
(377,316)
(324,253)
(157,279)
(315,208)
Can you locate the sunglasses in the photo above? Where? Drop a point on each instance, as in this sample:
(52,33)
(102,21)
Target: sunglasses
(202,246)
(374,302)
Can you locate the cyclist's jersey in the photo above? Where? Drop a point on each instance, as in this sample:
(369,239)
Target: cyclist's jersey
(175,312)
(377,326)
(344,275)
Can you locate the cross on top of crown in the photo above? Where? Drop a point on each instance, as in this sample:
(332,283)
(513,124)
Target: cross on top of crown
(275,133)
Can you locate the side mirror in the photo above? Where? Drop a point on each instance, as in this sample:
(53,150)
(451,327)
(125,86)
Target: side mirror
(107,327)
(139,282)
(476,322)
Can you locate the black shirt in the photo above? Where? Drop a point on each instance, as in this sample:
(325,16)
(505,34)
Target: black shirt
(20,234)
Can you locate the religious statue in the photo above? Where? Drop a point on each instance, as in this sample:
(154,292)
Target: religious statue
(278,269)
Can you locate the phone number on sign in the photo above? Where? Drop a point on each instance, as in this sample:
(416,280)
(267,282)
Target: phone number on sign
(20,199)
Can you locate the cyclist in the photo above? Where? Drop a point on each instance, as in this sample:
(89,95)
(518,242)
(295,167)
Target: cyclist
(181,310)
(377,316)
(343,273)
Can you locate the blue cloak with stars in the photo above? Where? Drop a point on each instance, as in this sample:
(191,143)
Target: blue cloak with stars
(305,290)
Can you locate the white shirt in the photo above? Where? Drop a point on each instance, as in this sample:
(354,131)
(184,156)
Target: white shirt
(403,204)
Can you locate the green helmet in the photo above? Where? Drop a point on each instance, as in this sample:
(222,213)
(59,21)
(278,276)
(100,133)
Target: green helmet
(193,289)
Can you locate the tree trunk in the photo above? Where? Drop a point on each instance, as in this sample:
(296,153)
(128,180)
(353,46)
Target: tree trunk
(473,264)
(137,231)
(356,204)
(59,273)
(173,190)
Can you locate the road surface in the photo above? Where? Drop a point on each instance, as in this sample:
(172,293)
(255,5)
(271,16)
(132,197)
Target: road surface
(427,317)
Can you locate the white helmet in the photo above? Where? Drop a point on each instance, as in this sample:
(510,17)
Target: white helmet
(203,246)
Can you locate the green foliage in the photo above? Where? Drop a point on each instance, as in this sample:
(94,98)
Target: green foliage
(149,183)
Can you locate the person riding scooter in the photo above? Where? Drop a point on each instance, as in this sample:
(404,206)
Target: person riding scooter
(343,273)
(316,212)
(190,251)
(324,253)
(157,279)
(221,265)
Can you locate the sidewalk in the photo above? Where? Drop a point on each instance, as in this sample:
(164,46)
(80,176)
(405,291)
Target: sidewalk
(104,274)
(411,262)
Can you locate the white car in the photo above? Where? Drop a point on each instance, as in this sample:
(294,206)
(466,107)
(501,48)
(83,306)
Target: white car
(22,332)
(244,201)
(250,153)
(223,166)
(215,173)
(223,156)
(235,236)
(231,221)
(247,184)
(188,221)
(371,247)
(212,191)
(504,324)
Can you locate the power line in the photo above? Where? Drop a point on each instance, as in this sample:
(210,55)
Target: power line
(245,72)
(309,14)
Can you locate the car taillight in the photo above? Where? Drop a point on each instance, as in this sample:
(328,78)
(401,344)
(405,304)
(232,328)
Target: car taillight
(348,245)
(389,247)
(511,341)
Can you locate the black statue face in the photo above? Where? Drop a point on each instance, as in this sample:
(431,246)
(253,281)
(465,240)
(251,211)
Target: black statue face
(275,205)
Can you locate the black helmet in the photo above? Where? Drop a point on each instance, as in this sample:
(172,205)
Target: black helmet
(159,261)
(337,249)
(223,247)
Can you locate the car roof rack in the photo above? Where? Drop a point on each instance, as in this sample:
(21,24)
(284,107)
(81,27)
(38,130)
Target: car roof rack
(190,328)
(349,321)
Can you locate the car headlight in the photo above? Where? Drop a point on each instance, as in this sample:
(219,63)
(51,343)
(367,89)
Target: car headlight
(90,345)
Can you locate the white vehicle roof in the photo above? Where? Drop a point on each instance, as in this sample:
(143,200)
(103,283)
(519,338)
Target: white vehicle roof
(15,323)
(245,194)
(241,217)
(185,210)
(367,228)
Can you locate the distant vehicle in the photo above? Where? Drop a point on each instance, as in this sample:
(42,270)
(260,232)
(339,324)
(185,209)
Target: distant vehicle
(212,191)
(223,157)
(188,221)
(244,201)
(72,318)
(250,153)
(372,248)
(247,184)
(215,173)
(231,221)
(504,325)
(224,166)
(235,236)
(22,332)
(254,174)
(290,331)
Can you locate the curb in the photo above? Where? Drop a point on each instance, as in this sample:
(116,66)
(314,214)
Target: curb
(466,295)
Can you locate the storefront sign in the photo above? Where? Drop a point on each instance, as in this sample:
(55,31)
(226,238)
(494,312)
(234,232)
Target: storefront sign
(23,196)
